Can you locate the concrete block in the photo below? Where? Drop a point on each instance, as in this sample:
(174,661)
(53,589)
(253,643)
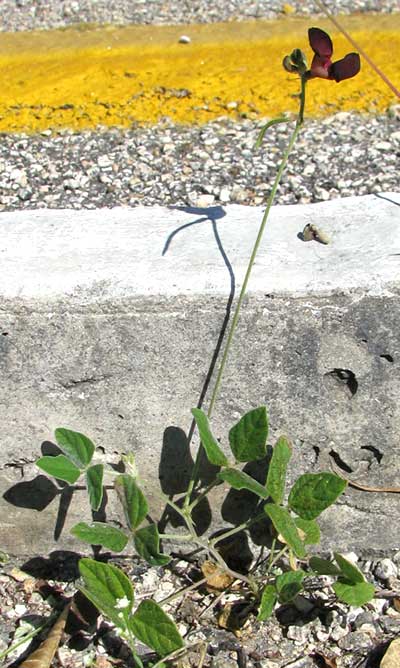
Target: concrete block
(109,321)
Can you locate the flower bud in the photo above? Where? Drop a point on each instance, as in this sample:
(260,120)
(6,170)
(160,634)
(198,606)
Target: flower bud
(288,65)
(299,60)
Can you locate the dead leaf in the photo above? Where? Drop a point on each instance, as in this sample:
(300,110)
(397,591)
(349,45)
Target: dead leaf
(313,233)
(234,617)
(43,655)
(396,604)
(324,661)
(392,655)
(102,662)
(18,575)
(217,579)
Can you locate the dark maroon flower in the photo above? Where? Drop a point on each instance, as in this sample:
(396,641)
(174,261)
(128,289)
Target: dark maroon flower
(322,65)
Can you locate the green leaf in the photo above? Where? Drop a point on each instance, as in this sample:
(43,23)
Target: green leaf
(354,594)
(323,566)
(311,530)
(289,585)
(210,444)
(132,498)
(276,477)
(155,629)
(147,545)
(268,600)
(248,437)
(100,533)
(313,492)
(108,588)
(78,447)
(349,570)
(240,480)
(60,467)
(285,526)
(94,482)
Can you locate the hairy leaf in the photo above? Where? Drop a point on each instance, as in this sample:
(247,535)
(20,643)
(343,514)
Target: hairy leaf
(59,467)
(108,588)
(323,566)
(289,585)
(94,481)
(240,480)
(132,498)
(353,594)
(147,545)
(349,570)
(285,526)
(100,533)
(313,492)
(276,477)
(268,600)
(210,444)
(310,529)
(77,447)
(248,437)
(155,629)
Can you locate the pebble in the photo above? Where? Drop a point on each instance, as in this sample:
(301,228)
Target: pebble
(385,569)
(18,15)
(189,165)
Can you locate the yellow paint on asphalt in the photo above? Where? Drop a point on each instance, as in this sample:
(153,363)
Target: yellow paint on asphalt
(83,78)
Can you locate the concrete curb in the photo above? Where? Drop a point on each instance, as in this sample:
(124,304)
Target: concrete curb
(109,320)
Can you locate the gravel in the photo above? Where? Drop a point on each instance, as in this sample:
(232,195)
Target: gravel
(16,15)
(342,155)
(314,630)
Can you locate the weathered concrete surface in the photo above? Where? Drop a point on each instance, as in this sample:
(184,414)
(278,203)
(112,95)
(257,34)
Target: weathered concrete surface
(109,320)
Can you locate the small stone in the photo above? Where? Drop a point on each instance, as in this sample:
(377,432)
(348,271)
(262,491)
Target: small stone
(20,609)
(378,605)
(288,9)
(350,556)
(224,195)
(19,177)
(309,169)
(385,569)
(184,39)
(232,105)
(355,640)
(24,194)
(338,632)
(383,146)
(363,618)
(300,634)
(204,201)
(390,625)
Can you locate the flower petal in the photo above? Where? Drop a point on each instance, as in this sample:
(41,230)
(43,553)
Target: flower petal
(320,42)
(346,68)
(320,67)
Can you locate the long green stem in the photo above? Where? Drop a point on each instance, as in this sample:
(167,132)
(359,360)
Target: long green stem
(238,529)
(256,246)
(25,639)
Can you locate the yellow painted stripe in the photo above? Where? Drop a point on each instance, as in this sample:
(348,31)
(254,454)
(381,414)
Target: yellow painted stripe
(119,76)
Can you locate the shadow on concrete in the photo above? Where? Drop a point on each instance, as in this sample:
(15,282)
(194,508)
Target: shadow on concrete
(241,505)
(176,463)
(388,199)
(38,493)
